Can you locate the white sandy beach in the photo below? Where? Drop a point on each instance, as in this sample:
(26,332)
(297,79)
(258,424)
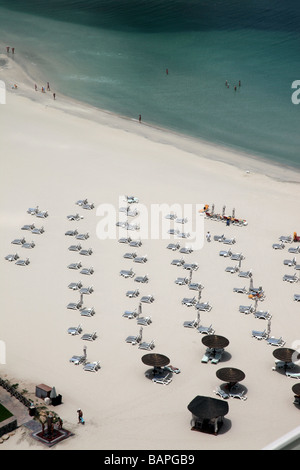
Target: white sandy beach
(54,153)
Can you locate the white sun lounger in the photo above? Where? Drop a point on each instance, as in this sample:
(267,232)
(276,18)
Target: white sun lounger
(22,262)
(74,248)
(278,246)
(221,393)
(87,290)
(189,302)
(130,314)
(297,297)
(259,334)
(148,299)
(81,236)
(238,394)
(92,366)
(203,306)
(13,257)
(182,281)
(132,293)
(293,375)
(275,341)
(290,278)
(75,266)
(87,271)
(263,315)
(28,245)
(89,336)
(145,321)
(75,330)
(75,285)
(127,273)
(246,309)
(206,330)
(71,233)
(147,346)
(87,252)
(78,360)
(232,269)
(163,379)
(87,312)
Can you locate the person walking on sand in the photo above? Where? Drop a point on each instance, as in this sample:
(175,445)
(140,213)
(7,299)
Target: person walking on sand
(140,118)
(80,416)
(208,236)
(54,96)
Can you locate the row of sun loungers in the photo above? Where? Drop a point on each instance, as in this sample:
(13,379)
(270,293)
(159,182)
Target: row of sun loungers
(232,393)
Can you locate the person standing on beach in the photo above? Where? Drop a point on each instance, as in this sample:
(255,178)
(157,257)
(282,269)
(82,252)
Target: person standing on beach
(54,96)
(208,236)
(48,86)
(13,50)
(140,118)
(80,416)
(7,49)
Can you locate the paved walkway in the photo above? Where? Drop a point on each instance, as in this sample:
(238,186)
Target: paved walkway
(20,411)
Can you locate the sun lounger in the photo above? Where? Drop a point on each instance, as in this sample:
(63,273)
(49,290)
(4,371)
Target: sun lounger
(237,256)
(130,314)
(42,214)
(203,306)
(294,249)
(132,293)
(142,279)
(219,238)
(195,286)
(221,393)
(290,262)
(131,199)
(283,365)
(75,285)
(92,366)
(229,241)
(87,312)
(170,368)
(263,315)
(289,278)
(28,227)
(173,231)
(87,271)
(240,290)
(22,262)
(238,394)
(125,240)
(145,321)
(78,360)
(75,330)
(13,257)
(191,323)
(278,246)
(81,202)
(259,334)
(191,266)
(181,281)
(297,297)
(171,216)
(129,255)
(38,231)
(275,341)
(177,262)
(183,234)
(148,299)
(71,233)
(18,241)
(207,355)
(225,253)
(246,274)
(74,305)
(88,206)
(87,252)
(173,246)
(206,330)
(181,221)
(186,250)
(136,243)
(28,245)
(147,346)
(82,236)
(246,309)
(232,269)
(73,217)
(215,359)
(74,248)
(293,375)
(189,302)
(33,210)
(127,273)
(87,290)
(134,339)
(89,336)
(140,259)
(286,239)
(297,266)
(163,379)
(75,266)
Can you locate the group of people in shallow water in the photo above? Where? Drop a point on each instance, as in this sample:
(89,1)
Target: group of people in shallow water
(43,90)
(235,87)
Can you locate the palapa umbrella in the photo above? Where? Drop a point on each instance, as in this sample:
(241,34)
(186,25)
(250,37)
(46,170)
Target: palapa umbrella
(296,389)
(208,408)
(155,360)
(215,341)
(286,355)
(230,375)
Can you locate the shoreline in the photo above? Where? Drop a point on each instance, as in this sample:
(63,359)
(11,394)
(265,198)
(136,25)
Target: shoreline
(209,150)
(56,154)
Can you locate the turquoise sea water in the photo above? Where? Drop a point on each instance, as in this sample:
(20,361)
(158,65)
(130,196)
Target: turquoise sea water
(114,54)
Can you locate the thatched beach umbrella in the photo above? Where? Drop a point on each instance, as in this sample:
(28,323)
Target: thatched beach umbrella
(230,375)
(155,360)
(215,341)
(286,355)
(296,389)
(208,408)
